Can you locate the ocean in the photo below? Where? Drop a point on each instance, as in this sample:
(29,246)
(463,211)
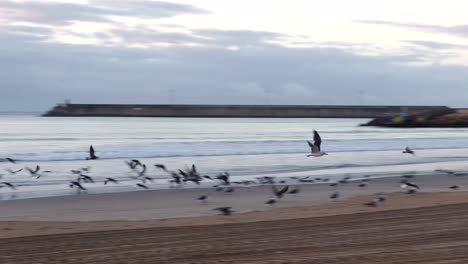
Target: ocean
(246,148)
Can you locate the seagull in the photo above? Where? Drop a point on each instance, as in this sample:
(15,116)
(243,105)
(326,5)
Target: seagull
(160,166)
(92,156)
(224,210)
(9,160)
(410,184)
(12,171)
(143,171)
(34,172)
(9,185)
(271,201)
(455,187)
(111,180)
(294,191)
(142,186)
(77,184)
(147,178)
(202,198)
(85,178)
(408,151)
(363,184)
(376,201)
(224,178)
(279,193)
(176,178)
(335,195)
(315,147)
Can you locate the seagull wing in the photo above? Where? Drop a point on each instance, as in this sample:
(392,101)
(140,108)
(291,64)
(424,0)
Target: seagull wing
(317,140)
(91,151)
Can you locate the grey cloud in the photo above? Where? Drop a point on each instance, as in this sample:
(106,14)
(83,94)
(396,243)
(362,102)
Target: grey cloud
(57,13)
(436,45)
(38,75)
(459,30)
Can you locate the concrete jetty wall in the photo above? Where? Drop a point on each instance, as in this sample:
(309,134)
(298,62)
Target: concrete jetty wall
(281,111)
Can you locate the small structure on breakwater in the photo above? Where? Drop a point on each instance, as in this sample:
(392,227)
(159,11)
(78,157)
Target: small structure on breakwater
(247,111)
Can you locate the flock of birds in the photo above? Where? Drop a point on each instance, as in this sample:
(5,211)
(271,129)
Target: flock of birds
(191,174)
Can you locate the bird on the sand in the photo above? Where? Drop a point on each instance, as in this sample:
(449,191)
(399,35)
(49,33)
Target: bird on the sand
(408,151)
(315,147)
(224,178)
(271,201)
(202,198)
(409,184)
(455,187)
(92,155)
(335,195)
(376,202)
(225,210)
(294,191)
(77,184)
(111,180)
(411,191)
(229,190)
(279,193)
(363,184)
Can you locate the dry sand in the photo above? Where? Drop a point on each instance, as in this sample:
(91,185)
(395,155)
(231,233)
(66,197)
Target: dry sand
(428,227)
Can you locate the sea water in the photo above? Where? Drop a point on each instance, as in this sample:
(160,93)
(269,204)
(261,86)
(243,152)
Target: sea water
(245,147)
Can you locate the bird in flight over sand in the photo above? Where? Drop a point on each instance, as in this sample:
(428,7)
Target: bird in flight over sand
(315,147)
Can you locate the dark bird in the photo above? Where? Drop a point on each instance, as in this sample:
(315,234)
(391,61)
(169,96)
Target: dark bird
(224,178)
(92,155)
(411,191)
(143,171)
(335,195)
(175,178)
(455,187)
(315,147)
(408,151)
(410,184)
(147,178)
(9,185)
(407,176)
(111,180)
(333,184)
(9,160)
(142,186)
(160,166)
(363,184)
(271,201)
(207,177)
(230,190)
(279,193)
(77,184)
(33,172)
(294,191)
(376,201)
(12,171)
(202,198)
(131,164)
(85,178)
(224,210)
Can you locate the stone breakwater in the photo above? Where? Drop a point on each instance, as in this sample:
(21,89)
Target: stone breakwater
(431,118)
(247,111)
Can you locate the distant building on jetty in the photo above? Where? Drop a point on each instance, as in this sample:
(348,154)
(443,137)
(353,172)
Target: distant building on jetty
(247,111)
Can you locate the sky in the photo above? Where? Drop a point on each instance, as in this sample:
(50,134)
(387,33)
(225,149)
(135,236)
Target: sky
(387,52)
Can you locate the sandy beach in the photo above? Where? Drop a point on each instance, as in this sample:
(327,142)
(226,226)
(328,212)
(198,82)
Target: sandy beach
(170,226)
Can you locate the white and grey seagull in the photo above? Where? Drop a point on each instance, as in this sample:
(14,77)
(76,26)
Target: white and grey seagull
(315,147)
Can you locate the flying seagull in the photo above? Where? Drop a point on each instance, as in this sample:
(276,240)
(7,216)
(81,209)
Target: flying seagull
(315,147)
(9,160)
(92,155)
(12,171)
(224,210)
(111,180)
(279,193)
(9,185)
(408,151)
(142,186)
(77,184)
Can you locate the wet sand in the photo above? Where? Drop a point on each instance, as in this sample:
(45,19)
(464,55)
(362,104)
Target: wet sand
(430,228)
(426,227)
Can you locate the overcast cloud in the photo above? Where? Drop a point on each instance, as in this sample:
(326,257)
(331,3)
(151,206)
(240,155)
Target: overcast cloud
(160,62)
